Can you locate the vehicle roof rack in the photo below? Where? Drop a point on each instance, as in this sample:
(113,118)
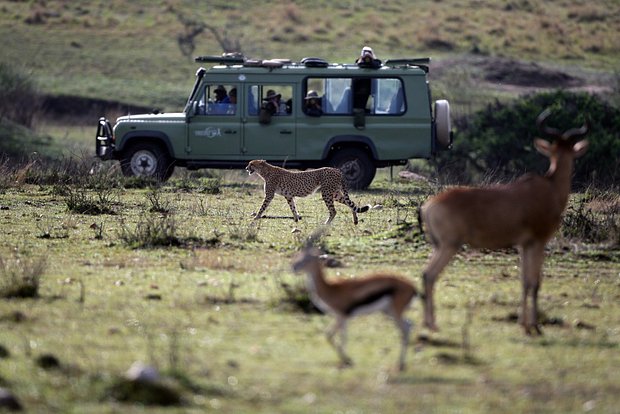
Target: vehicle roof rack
(422,63)
(408,61)
(229,59)
(225,59)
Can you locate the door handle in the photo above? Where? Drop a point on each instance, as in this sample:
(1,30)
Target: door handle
(286,132)
(230,131)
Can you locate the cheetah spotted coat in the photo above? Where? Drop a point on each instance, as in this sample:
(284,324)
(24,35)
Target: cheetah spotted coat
(292,184)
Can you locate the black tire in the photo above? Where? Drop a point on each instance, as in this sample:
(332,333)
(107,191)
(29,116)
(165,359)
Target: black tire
(147,160)
(356,165)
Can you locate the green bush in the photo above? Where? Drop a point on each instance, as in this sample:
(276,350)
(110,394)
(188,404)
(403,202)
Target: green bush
(496,143)
(19,100)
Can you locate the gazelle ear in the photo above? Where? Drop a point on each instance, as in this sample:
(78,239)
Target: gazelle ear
(580,148)
(542,146)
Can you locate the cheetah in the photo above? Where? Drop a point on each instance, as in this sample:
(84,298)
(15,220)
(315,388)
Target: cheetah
(292,184)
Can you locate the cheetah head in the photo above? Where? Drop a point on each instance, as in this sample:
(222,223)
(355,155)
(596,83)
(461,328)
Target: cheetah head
(254,165)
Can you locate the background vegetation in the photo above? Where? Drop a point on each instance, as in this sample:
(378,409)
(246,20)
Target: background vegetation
(497,143)
(98,271)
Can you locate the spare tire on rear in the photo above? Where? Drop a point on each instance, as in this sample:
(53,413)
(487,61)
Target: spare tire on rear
(443,127)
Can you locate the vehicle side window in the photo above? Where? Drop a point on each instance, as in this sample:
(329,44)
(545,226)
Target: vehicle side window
(375,96)
(389,97)
(253,100)
(217,99)
(276,99)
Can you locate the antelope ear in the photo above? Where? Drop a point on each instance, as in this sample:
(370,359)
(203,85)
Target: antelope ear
(542,146)
(580,148)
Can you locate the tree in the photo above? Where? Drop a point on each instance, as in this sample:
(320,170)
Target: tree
(192,28)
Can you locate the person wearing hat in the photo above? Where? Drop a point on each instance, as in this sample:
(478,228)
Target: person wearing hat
(221,96)
(232,107)
(368,59)
(312,105)
(272,102)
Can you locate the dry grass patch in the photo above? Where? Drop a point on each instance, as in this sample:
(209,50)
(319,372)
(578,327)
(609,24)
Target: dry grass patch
(20,276)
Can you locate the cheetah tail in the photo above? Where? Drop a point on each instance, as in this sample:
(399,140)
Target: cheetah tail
(363,209)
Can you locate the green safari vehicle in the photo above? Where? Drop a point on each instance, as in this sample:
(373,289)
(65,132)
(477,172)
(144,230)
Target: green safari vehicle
(300,115)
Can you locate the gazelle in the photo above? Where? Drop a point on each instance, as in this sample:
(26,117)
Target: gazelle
(525,214)
(345,299)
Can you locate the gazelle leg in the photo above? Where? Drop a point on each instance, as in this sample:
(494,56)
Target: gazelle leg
(440,258)
(340,326)
(532,257)
(405,329)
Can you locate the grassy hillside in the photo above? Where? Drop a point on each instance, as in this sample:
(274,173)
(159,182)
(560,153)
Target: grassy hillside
(128,51)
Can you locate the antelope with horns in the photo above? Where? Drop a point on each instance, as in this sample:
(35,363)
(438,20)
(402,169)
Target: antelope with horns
(525,213)
(345,299)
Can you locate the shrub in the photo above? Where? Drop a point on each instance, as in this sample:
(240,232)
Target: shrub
(81,201)
(296,297)
(152,231)
(62,172)
(19,143)
(19,100)
(157,203)
(139,182)
(593,218)
(210,185)
(20,276)
(498,140)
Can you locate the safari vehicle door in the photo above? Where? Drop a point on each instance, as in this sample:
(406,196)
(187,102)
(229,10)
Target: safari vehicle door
(215,122)
(270,136)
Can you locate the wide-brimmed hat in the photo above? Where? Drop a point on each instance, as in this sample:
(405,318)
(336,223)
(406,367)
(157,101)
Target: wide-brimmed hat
(312,95)
(271,94)
(220,88)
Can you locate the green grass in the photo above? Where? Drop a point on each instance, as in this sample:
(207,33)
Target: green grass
(103,305)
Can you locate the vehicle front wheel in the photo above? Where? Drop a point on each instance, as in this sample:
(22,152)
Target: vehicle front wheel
(147,160)
(356,165)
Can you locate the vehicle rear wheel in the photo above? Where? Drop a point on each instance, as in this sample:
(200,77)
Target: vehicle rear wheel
(147,160)
(356,165)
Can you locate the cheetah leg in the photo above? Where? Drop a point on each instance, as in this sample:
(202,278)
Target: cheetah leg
(343,197)
(268,197)
(291,204)
(329,202)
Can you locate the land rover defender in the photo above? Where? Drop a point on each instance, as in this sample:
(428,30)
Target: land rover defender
(364,118)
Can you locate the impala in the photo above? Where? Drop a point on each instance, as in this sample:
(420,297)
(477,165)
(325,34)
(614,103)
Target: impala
(525,213)
(345,299)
